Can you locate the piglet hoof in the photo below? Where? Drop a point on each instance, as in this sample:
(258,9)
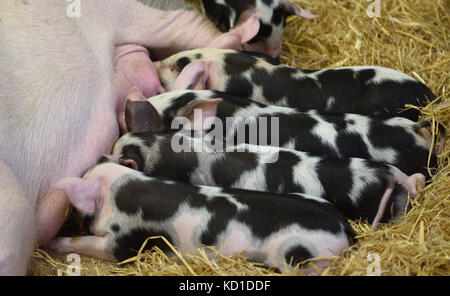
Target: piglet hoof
(416,181)
(55,245)
(59,245)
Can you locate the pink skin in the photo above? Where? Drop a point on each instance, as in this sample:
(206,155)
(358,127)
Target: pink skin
(75,94)
(194,76)
(197,75)
(94,246)
(133,68)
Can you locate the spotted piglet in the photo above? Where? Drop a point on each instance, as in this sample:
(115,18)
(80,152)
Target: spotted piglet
(270,15)
(396,141)
(127,207)
(357,187)
(367,90)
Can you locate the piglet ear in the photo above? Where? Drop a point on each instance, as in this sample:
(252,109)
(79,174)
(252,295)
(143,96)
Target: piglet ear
(291,9)
(130,163)
(194,76)
(140,115)
(248,29)
(240,34)
(84,194)
(200,113)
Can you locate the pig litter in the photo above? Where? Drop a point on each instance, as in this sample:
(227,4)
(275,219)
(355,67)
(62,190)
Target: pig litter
(410,36)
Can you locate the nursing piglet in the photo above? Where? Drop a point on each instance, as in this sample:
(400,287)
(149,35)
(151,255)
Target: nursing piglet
(271,16)
(396,141)
(367,90)
(357,187)
(127,207)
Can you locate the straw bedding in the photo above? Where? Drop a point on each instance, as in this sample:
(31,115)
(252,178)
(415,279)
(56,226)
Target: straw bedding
(410,36)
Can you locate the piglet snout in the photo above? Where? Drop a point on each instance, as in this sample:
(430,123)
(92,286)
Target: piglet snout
(274,53)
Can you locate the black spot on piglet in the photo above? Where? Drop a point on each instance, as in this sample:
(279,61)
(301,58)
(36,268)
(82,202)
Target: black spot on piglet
(128,245)
(264,32)
(115,228)
(237,63)
(297,254)
(181,63)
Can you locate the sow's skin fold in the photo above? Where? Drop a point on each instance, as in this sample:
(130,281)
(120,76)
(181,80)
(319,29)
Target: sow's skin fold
(127,207)
(367,90)
(60,94)
(395,141)
(359,188)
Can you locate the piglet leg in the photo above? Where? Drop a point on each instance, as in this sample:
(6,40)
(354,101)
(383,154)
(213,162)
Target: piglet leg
(411,183)
(93,246)
(408,183)
(382,207)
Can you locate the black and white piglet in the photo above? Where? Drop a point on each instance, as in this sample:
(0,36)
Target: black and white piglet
(271,20)
(127,207)
(367,90)
(396,141)
(357,187)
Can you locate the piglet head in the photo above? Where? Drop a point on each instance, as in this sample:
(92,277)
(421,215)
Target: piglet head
(174,110)
(269,38)
(258,32)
